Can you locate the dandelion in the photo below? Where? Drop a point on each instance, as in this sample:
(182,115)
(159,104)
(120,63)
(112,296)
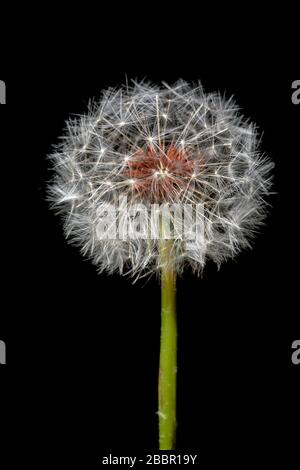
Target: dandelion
(155,179)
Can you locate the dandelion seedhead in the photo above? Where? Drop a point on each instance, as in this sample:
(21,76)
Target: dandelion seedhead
(157,147)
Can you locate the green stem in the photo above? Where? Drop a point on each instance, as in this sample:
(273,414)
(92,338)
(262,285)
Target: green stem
(168,351)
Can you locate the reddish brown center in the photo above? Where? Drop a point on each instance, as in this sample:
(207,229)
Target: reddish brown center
(160,173)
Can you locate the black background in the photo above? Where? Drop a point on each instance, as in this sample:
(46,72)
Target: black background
(82,349)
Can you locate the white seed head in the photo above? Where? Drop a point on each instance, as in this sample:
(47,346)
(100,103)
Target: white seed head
(161,146)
